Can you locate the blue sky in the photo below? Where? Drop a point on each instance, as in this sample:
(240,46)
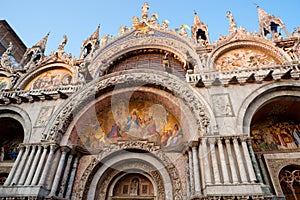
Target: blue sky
(78,19)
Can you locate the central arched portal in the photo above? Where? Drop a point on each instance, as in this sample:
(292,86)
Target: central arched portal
(132,174)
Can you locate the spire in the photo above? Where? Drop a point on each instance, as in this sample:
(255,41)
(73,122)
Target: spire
(91,44)
(42,43)
(268,24)
(95,35)
(197,21)
(262,15)
(199,31)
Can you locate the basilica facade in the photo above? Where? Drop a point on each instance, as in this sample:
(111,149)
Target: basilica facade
(154,114)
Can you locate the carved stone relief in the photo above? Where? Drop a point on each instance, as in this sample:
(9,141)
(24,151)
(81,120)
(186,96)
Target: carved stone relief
(222,105)
(44,116)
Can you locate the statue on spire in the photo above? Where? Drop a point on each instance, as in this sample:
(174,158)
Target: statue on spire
(145,9)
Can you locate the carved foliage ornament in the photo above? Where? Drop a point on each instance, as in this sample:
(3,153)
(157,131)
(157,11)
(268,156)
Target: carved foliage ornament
(78,100)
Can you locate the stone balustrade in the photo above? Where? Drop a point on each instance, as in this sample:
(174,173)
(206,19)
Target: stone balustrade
(245,75)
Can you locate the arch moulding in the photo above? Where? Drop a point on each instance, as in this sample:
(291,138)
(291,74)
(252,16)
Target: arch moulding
(120,46)
(63,116)
(152,156)
(260,96)
(21,116)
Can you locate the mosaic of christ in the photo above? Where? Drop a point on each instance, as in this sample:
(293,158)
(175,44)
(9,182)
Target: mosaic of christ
(140,120)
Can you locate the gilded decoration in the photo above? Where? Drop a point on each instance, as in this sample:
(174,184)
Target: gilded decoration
(4,82)
(140,120)
(281,136)
(244,58)
(51,78)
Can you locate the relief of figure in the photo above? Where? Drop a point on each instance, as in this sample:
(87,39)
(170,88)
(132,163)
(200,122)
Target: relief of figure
(134,186)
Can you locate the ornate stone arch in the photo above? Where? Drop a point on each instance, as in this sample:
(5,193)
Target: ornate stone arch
(128,42)
(164,170)
(19,115)
(62,118)
(256,44)
(30,75)
(258,97)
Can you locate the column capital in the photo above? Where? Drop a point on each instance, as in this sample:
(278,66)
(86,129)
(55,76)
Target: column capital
(194,144)
(53,147)
(220,139)
(212,140)
(65,149)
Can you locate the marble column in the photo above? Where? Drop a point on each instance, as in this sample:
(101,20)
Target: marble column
(254,162)
(65,176)
(196,168)
(216,173)
(188,180)
(263,169)
(205,161)
(239,159)
(191,171)
(40,166)
(231,162)
(59,171)
(47,165)
(15,167)
(248,160)
(21,165)
(33,166)
(72,178)
(28,165)
(223,161)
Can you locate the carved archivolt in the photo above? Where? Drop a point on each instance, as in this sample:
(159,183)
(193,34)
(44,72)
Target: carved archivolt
(63,117)
(123,45)
(277,54)
(151,148)
(28,77)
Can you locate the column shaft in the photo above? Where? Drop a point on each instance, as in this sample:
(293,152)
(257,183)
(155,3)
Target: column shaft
(205,160)
(21,165)
(263,170)
(240,161)
(33,166)
(196,171)
(72,178)
(254,162)
(40,167)
(65,176)
(191,172)
(47,167)
(248,162)
(214,161)
(231,162)
(58,173)
(14,168)
(223,161)
(27,166)
(188,179)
